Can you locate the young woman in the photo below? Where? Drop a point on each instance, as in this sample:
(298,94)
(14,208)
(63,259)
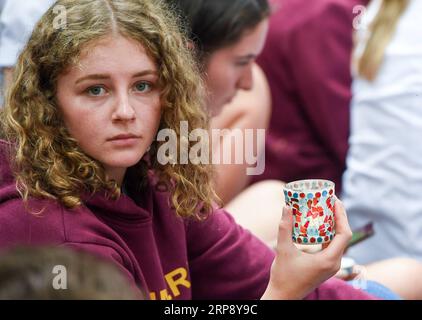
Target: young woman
(384,160)
(227,37)
(80,165)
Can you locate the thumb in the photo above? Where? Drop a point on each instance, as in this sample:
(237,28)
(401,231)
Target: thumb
(284,239)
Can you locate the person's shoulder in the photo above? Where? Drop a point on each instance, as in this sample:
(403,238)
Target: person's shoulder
(311,8)
(293,15)
(47,222)
(22,221)
(39,222)
(32,222)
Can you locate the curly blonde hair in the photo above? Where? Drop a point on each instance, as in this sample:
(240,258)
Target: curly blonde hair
(46,160)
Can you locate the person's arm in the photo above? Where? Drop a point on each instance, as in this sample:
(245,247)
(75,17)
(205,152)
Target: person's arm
(249,110)
(294,273)
(227,262)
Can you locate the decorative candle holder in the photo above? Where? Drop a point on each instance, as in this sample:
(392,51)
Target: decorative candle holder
(312,202)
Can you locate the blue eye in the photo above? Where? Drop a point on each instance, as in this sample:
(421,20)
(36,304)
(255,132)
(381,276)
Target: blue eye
(96,91)
(143,86)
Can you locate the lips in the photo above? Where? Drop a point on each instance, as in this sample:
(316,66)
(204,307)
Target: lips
(125,141)
(124,137)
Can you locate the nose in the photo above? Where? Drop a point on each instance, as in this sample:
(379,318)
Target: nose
(246,80)
(123,110)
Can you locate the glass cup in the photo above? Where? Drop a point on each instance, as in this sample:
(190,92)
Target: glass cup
(312,202)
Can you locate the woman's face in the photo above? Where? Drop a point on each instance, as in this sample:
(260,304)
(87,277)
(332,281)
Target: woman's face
(230,69)
(111,103)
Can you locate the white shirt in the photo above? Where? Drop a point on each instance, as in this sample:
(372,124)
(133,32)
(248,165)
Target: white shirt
(383,180)
(17,19)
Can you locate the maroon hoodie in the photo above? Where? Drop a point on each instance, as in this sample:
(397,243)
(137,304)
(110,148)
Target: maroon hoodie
(169,257)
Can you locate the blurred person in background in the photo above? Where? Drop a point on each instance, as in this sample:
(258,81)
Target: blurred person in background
(60,273)
(307,63)
(17,20)
(383,180)
(227,37)
(306,60)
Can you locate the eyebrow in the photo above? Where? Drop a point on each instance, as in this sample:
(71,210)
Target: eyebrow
(98,76)
(247,57)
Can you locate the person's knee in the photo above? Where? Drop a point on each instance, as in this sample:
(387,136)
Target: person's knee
(272,188)
(398,266)
(268,185)
(412,265)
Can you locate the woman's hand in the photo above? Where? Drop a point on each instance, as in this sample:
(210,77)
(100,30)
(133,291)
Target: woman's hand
(294,274)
